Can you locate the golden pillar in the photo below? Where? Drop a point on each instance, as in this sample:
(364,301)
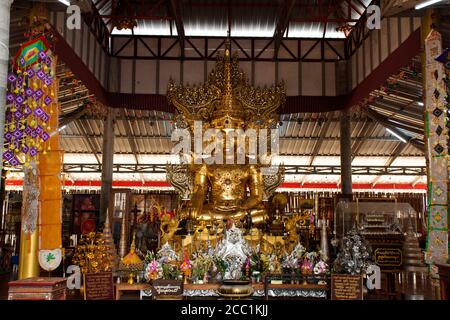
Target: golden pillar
(28,258)
(50,161)
(41,209)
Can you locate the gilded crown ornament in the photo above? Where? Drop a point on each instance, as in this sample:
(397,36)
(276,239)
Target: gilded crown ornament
(226,99)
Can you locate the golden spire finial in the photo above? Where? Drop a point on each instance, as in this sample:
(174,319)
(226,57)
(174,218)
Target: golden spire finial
(228,86)
(228,47)
(133,243)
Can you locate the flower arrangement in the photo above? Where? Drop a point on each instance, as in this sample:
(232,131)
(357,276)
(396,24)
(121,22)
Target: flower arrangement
(299,250)
(258,263)
(200,267)
(171,271)
(153,270)
(149,257)
(186,267)
(161,267)
(220,265)
(312,256)
(307,266)
(321,268)
(166,254)
(289,263)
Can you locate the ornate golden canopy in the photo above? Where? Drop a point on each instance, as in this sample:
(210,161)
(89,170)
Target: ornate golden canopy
(226,99)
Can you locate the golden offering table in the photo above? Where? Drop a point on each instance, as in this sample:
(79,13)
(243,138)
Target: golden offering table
(119,287)
(307,291)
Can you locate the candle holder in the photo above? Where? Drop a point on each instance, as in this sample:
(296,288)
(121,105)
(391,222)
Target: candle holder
(131,278)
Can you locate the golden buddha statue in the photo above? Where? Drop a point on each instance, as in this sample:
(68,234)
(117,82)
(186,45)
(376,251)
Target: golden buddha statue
(229,183)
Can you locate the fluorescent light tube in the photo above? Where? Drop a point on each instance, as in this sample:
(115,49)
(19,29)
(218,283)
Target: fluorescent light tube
(396,135)
(426,4)
(420,103)
(66,2)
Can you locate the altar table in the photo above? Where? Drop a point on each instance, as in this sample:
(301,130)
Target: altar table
(273,290)
(141,287)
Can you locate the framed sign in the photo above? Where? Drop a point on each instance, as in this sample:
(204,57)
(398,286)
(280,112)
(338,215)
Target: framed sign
(163,287)
(388,257)
(98,286)
(346,287)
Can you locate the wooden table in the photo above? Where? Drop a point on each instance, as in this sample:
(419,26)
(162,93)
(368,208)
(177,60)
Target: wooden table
(38,288)
(129,287)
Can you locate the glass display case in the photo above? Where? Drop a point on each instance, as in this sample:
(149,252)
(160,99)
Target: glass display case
(374,217)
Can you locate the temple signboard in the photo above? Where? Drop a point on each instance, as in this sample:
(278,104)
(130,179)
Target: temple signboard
(163,287)
(98,286)
(388,257)
(346,287)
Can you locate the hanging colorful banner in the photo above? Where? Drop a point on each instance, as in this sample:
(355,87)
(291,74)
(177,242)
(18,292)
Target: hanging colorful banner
(29,104)
(31,52)
(437,128)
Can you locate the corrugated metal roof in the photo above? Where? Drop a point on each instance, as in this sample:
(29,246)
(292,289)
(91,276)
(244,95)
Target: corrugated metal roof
(247,18)
(299,134)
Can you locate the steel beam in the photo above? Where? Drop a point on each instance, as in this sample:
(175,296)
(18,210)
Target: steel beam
(381,119)
(82,128)
(176,8)
(282,24)
(289,169)
(319,141)
(346,152)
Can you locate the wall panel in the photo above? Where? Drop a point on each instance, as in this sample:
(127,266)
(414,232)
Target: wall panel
(384,39)
(168,70)
(264,74)
(393,33)
(145,76)
(91,56)
(312,79)
(193,73)
(288,72)
(330,79)
(126,78)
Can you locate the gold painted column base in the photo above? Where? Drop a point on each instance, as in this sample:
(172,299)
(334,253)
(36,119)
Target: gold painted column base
(28,256)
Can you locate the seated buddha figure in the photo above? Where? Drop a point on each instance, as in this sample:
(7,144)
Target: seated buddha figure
(228,182)
(226,186)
